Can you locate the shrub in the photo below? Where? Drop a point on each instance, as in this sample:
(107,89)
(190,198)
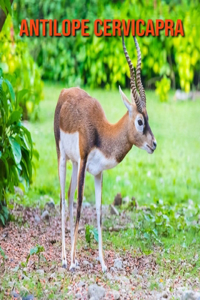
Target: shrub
(99,61)
(162,88)
(20,69)
(16,145)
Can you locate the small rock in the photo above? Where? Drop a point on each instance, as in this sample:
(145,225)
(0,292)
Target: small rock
(45,215)
(37,218)
(125,263)
(190,295)
(126,200)
(118,200)
(109,276)
(24,277)
(15,295)
(135,271)
(124,279)
(112,269)
(95,292)
(118,264)
(116,295)
(50,205)
(164,295)
(53,275)
(28,297)
(18,191)
(85,263)
(40,271)
(78,296)
(105,209)
(113,210)
(81,283)
(86,204)
(61,270)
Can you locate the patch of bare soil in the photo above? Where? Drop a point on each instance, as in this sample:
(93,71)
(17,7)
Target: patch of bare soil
(129,274)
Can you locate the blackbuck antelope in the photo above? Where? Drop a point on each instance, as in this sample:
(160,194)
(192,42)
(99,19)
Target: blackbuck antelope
(85,136)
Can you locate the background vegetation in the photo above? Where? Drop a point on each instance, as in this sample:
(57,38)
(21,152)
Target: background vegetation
(100,62)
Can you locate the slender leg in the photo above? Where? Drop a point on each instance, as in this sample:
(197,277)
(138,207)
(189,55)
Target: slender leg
(62,175)
(98,195)
(71,192)
(81,180)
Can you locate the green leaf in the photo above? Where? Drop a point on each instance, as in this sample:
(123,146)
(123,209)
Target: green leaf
(2,253)
(33,250)
(8,6)
(20,95)
(14,117)
(87,233)
(94,231)
(28,135)
(2,219)
(10,88)
(6,165)
(2,5)
(16,150)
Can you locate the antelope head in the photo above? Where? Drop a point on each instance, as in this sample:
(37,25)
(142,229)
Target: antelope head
(139,131)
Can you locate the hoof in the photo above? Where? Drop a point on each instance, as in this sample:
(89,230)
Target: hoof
(76,263)
(64,263)
(73,266)
(72,269)
(104,268)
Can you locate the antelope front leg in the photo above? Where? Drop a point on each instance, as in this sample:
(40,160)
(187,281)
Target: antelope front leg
(62,173)
(81,180)
(98,195)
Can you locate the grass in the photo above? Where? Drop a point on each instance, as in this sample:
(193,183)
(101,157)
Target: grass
(172,173)
(166,182)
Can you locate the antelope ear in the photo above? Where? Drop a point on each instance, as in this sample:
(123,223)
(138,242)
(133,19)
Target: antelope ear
(133,101)
(126,101)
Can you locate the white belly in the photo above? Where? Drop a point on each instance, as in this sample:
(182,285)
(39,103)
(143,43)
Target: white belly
(96,162)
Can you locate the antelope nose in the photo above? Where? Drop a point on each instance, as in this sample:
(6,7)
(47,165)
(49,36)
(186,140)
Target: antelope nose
(154,144)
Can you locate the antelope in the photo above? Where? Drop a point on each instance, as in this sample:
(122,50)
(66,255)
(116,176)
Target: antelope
(85,136)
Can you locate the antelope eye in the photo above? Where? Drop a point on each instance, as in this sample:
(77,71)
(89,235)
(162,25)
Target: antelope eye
(140,122)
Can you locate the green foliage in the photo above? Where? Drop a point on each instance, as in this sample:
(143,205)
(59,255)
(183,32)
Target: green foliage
(99,61)
(6,6)
(2,253)
(16,146)
(91,233)
(38,249)
(21,70)
(162,88)
(162,219)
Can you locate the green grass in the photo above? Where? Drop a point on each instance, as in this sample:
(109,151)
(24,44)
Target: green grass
(164,181)
(172,173)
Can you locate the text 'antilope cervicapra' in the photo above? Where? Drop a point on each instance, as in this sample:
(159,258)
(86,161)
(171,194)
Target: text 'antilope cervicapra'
(84,136)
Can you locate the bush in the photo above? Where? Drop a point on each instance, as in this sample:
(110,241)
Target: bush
(16,145)
(99,61)
(20,69)
(162,88)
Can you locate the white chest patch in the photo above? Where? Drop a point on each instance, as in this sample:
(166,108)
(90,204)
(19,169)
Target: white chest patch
(96,162)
